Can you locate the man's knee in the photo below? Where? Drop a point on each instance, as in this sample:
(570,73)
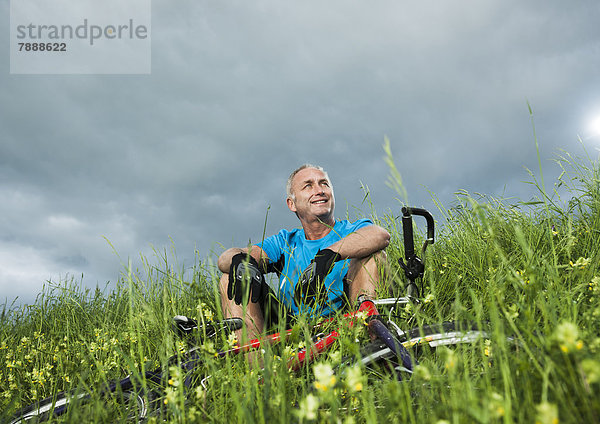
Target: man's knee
(365,275)
(380,258)
(371,265)
(223,283)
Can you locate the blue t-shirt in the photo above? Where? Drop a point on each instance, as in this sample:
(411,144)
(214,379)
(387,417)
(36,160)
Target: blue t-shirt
(298,252)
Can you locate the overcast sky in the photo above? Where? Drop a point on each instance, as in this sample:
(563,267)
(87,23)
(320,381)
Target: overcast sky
(242,92)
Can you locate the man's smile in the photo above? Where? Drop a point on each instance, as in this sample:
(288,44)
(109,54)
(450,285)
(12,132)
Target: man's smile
(320,201)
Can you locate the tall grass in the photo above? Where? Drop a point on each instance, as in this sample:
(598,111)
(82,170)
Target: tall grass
(528,271)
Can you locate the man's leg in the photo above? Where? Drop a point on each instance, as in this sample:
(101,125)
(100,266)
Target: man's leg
(363,276)
(251,314)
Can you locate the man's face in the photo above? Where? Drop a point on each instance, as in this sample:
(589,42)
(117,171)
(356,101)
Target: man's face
(313,195)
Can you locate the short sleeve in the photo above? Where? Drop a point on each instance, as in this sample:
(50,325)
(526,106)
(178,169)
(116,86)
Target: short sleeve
(273,245)
(361,223)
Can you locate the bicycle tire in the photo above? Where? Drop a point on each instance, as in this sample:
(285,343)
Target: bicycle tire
(57,406)
(377,358)
(433,347)
(444,334)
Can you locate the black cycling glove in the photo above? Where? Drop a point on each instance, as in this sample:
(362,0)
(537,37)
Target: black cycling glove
(244,277)
(311,287)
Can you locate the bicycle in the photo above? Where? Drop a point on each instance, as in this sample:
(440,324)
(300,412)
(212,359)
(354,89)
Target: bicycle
(390,350)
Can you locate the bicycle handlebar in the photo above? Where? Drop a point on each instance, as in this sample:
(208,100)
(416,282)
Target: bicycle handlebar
(407,212)
(414,267)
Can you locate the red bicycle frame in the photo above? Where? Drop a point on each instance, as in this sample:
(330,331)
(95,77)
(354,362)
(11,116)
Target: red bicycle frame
(306,354)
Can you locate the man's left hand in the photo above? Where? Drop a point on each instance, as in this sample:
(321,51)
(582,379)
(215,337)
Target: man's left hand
(311,285)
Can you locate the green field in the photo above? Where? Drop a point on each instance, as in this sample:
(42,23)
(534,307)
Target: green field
(528,270)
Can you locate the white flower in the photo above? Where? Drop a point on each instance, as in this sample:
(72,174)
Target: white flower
(309,407)
(422,372)
(591,370)
(324,376)
(547,413)
(354,379)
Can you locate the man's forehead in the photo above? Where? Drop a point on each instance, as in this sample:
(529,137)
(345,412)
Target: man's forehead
(310,174)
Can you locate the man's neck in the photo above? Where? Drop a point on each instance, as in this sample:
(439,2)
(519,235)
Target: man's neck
(318,229)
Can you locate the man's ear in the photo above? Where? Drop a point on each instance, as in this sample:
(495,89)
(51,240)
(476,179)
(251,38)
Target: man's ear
(291,204)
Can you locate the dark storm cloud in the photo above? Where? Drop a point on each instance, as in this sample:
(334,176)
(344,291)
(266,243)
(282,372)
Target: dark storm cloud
(241,93)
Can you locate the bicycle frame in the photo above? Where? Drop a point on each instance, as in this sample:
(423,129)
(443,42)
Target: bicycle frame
(305,355)
(323,342)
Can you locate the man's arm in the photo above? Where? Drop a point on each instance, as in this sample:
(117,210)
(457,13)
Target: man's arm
(251,313)
(363,242)
(224,261)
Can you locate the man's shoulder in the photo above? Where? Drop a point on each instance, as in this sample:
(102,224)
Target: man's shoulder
(354,225)
(286,235)
(291,233)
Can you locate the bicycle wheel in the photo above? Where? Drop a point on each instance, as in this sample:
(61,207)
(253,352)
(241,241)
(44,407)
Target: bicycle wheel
(379,360)
(444,334)
(128,405)
(441,348)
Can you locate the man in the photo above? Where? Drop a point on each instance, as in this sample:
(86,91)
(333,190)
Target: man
(321,267)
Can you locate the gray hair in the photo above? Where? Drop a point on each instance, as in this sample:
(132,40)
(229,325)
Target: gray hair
(288,187)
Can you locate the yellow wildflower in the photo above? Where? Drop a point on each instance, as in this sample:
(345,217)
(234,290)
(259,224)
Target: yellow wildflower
(170,396)
(566,335)
(487,350)
(581,263)
(547,413)
(354,379)
(594,285)
(496,405)
(451,360)
(232,340)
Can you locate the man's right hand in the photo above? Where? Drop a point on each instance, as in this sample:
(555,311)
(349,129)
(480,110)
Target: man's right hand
(244,277)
